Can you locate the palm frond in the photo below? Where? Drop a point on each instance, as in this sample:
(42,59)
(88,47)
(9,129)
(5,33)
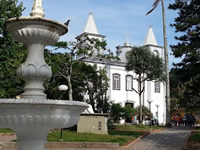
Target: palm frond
(155,4)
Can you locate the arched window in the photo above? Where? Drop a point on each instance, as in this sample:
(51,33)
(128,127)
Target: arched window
(129,83)
(156,52)
(130,103)
(116,81)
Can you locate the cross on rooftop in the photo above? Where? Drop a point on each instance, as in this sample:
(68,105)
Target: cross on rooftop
(127,38)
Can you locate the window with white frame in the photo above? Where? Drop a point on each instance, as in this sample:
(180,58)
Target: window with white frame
(157,87)
(129,83)
(116,81)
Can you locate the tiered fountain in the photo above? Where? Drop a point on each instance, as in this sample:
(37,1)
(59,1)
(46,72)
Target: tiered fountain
(33,116)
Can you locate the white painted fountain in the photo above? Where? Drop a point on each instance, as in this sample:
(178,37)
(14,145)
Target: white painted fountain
(33,115)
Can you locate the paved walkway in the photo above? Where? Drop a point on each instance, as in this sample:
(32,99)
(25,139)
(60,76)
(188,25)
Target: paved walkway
(170,139)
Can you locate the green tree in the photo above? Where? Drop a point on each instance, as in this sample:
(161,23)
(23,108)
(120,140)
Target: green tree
(96,87)
(93,82)
(72,50)
(129,112)
(186,24)
(61,64)
(176,79)
(145,112)
(147,66)
(189,96)
(155,4)
(117,112)
(66,63)
(11,51)
(85,80)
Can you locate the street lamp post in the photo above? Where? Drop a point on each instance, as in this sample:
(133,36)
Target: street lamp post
(157,105)
(150,101)
(62,88)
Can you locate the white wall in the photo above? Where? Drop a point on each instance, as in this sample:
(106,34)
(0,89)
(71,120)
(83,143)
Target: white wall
(121,96)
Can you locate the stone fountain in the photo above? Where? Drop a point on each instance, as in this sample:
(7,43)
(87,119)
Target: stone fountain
(33,115)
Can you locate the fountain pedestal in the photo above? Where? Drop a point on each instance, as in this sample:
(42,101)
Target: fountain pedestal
(36,33)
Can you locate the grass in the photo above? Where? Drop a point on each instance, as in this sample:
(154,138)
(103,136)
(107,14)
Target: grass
(121,137)
(2,130)
(135,134)
(121,134)
(135,127)
(197,129)
(195,136)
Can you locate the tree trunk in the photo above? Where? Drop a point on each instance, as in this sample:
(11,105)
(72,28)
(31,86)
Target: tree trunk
(140,99)
(70,88)
(140,108)
(143,86)
(166,66)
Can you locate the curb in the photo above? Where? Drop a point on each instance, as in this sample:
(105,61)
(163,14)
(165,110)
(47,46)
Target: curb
(7,134)
(67,145)
(159,130)
(187,139)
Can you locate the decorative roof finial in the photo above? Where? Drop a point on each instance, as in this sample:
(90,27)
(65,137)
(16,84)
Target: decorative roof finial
(37,10)
(127,40)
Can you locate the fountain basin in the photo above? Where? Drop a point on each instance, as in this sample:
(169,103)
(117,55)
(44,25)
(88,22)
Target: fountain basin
(32,119)
(27,113)
(36,30)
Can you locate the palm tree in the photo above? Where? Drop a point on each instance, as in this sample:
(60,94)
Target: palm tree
(155,4)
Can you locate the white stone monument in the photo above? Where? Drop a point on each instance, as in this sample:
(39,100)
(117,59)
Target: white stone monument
(32,116)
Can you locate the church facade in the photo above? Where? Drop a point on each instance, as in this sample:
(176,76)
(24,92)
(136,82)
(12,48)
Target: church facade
(121,81)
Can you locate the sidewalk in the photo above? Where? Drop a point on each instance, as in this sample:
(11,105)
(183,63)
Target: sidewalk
(173,138)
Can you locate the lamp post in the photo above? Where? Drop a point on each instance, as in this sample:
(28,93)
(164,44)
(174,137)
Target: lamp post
(150,101)
(62,88)
(157,105)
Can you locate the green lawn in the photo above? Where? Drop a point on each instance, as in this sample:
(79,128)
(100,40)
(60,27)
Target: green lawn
(195,136)
(5,130)
(121,137)
(121,134)
(197,129)
(135,127)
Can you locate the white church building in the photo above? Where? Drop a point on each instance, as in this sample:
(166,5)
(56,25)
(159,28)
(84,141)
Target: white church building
(121,81)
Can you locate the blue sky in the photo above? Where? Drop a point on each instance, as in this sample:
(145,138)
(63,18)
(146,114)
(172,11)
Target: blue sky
(114,18)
